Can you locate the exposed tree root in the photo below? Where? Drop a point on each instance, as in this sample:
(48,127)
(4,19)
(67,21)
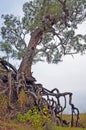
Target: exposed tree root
(41,96)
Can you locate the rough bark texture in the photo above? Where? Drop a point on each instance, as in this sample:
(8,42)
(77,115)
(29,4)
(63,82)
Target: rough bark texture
(26,63)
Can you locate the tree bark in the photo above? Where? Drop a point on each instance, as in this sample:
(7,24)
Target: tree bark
(25,66)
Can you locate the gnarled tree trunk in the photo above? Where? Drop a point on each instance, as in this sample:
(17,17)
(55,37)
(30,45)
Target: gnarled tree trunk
(36,94)
(25,66)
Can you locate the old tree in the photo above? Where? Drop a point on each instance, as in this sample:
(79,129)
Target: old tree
(50,25)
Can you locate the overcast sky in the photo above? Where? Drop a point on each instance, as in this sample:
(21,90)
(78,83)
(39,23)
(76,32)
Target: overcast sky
(69,75)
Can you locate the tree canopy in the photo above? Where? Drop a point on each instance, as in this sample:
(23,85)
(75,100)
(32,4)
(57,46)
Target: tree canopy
(59,37)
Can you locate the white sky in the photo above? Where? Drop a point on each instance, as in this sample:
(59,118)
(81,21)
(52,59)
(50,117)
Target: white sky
(69,75)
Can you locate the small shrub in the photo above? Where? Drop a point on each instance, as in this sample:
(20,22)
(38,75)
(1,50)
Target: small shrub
(45,115)
(35,117)
(21,118)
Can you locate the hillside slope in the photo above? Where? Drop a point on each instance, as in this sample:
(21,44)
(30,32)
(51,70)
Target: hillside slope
(15,125)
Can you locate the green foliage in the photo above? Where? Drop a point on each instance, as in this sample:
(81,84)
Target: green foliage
(15,30)
(21,118)
(35,117)
(13,35)
(20,54)
(6,47)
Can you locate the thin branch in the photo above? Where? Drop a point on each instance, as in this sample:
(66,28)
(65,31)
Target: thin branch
(5,63)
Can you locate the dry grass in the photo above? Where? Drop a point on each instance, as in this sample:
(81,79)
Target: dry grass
(83,119)
(12,125)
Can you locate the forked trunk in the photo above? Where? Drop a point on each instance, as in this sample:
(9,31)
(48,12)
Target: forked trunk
(25,66)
